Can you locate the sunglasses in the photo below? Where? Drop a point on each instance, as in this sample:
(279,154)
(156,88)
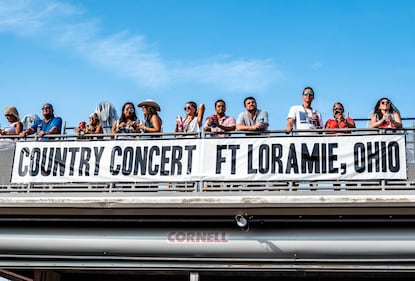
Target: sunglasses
(385,102)
(7,115)
(46,107)
(337,108)
(187,107)
(308,94)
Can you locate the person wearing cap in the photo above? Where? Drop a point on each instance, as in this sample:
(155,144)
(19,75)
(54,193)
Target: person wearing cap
(15,126)
(49,125)
(304,117)
(152,121)
(93,127)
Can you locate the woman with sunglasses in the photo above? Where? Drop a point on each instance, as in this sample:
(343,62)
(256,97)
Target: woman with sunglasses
(128,122)
(385,115)
(152,121)
(339,121)
(93,127)
(192,122)
(15,126)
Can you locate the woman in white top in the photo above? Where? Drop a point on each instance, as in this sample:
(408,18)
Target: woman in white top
(15,126)
(193,120)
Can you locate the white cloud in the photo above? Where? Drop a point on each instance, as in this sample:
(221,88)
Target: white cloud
(64,26)
(231,75)
(124,55)
(31,17)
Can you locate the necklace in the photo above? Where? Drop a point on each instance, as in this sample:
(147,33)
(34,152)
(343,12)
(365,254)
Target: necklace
(309,117)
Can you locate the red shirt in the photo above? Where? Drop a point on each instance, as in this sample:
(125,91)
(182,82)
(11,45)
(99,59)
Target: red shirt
(387,124)
(333,124)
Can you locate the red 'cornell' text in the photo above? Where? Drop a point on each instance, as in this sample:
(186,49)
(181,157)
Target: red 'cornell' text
(197,237)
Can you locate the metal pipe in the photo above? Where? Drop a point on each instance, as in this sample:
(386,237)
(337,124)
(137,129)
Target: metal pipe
(288,243)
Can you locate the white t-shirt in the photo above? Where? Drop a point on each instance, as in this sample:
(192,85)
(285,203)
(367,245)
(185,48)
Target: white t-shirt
(303,118)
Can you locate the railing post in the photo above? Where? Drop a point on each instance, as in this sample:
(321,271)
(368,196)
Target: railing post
(194,276)
(200,186)
(47,276)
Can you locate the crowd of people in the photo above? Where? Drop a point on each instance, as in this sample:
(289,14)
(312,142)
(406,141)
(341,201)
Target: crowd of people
(302,117)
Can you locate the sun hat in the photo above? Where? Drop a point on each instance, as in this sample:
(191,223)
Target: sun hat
(11,110)
(149,103)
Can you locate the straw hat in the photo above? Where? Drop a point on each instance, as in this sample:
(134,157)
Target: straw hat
(11,110)
(149,103)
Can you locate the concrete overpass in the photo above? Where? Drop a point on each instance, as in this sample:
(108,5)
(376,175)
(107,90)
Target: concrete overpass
(300,229)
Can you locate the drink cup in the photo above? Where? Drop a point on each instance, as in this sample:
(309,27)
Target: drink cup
(179,119)
(214,120)
(82,125)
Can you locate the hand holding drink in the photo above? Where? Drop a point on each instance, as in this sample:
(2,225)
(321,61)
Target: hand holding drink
(214,121)
(316,120)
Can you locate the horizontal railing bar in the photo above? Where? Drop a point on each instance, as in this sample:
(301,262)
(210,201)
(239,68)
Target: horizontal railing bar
(245,134)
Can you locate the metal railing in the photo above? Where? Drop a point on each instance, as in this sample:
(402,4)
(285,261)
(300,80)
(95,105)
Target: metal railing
(224,186)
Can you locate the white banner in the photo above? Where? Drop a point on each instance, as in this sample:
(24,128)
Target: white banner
(228,159)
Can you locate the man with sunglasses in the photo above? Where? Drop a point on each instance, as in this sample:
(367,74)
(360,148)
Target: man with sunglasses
(304,117)
(47,126)
(339,121)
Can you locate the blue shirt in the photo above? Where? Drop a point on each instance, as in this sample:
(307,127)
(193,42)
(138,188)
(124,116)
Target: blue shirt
(46,127)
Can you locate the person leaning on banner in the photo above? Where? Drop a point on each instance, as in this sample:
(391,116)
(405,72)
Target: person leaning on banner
(385,115)
(253,119)
(49,125)
(219,122)
(304,117)
(339,121)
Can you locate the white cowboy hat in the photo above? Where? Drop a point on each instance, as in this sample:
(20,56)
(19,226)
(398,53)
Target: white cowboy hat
(149,103)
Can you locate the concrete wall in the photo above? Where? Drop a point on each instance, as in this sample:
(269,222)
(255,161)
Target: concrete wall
(7,148)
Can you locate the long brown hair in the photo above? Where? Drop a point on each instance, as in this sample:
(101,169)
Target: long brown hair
(378,112)
(150,112)
(123,118)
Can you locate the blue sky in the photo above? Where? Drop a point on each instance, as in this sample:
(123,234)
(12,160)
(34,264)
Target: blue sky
(76,54)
